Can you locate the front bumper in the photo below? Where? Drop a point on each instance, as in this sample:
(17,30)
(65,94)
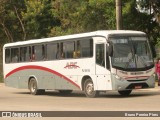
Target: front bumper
(122,84)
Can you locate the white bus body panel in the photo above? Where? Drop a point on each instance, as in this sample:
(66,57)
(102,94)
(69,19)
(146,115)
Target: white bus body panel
(103,77)
(68,74)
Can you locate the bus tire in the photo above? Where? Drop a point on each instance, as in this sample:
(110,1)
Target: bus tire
(65,92)
(34,88)
(89,89)
(125,92)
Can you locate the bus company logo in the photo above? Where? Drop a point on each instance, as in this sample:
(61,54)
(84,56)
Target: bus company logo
(71,65)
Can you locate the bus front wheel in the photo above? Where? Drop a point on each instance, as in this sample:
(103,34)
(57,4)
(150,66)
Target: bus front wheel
(89,89)
(34,88)
(125,92)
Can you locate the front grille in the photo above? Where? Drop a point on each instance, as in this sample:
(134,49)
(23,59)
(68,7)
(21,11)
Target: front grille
(133,85)
(137,80)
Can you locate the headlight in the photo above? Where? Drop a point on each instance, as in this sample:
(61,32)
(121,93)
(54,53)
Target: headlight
(118,77)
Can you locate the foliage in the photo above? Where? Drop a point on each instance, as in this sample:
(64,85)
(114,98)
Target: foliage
(83,16)
(152,6)
(30,19)
(10,20)
(138,16)
(38,18)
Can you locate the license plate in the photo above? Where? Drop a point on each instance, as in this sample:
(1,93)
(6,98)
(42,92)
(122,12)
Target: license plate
(138,87)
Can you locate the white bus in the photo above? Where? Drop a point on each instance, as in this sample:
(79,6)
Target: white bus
(91,62)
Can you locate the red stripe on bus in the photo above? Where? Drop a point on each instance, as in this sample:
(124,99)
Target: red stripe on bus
(41,68)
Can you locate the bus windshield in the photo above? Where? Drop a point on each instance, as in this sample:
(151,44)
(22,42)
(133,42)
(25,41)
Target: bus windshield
(131,53)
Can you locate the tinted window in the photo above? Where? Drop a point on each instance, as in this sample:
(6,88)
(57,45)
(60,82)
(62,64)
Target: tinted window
(24,54)
(68,49)
(52,51)
(100,54)
(38,52)
(86,48)
(7,56)
(14,55)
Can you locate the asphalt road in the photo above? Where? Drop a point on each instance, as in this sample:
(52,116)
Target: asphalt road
(12,99)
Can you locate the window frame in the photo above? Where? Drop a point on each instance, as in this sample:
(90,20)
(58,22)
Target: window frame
(59,43)
(101,55)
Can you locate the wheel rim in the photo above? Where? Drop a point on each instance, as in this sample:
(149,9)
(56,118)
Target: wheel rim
(33,87)
(89,88)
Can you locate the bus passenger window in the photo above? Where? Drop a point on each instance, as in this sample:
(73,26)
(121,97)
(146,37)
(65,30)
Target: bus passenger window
(30,53)
(86,48)
(43,52)
(24,54)
(7,56)
(61,52)
(68,49)
(14,55)
(38,52)
(33,53)
(78,49)
(52,49)
(58,52)
(77,53)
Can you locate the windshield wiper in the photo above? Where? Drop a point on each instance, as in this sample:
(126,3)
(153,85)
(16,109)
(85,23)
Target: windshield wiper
(131,56)
(141,60)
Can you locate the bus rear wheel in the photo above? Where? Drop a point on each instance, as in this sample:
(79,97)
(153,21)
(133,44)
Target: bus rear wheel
(89,89)
(34,88)
(125,92)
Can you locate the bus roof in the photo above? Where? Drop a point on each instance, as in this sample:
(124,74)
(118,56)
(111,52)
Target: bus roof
(104,33)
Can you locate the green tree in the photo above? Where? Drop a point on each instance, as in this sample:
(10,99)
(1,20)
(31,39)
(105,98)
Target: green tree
(138,17)
(99,15)
(152,6)
(83,16)
(39,18)
(11,23)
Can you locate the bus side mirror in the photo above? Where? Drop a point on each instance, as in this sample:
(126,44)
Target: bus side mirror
(110,50)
